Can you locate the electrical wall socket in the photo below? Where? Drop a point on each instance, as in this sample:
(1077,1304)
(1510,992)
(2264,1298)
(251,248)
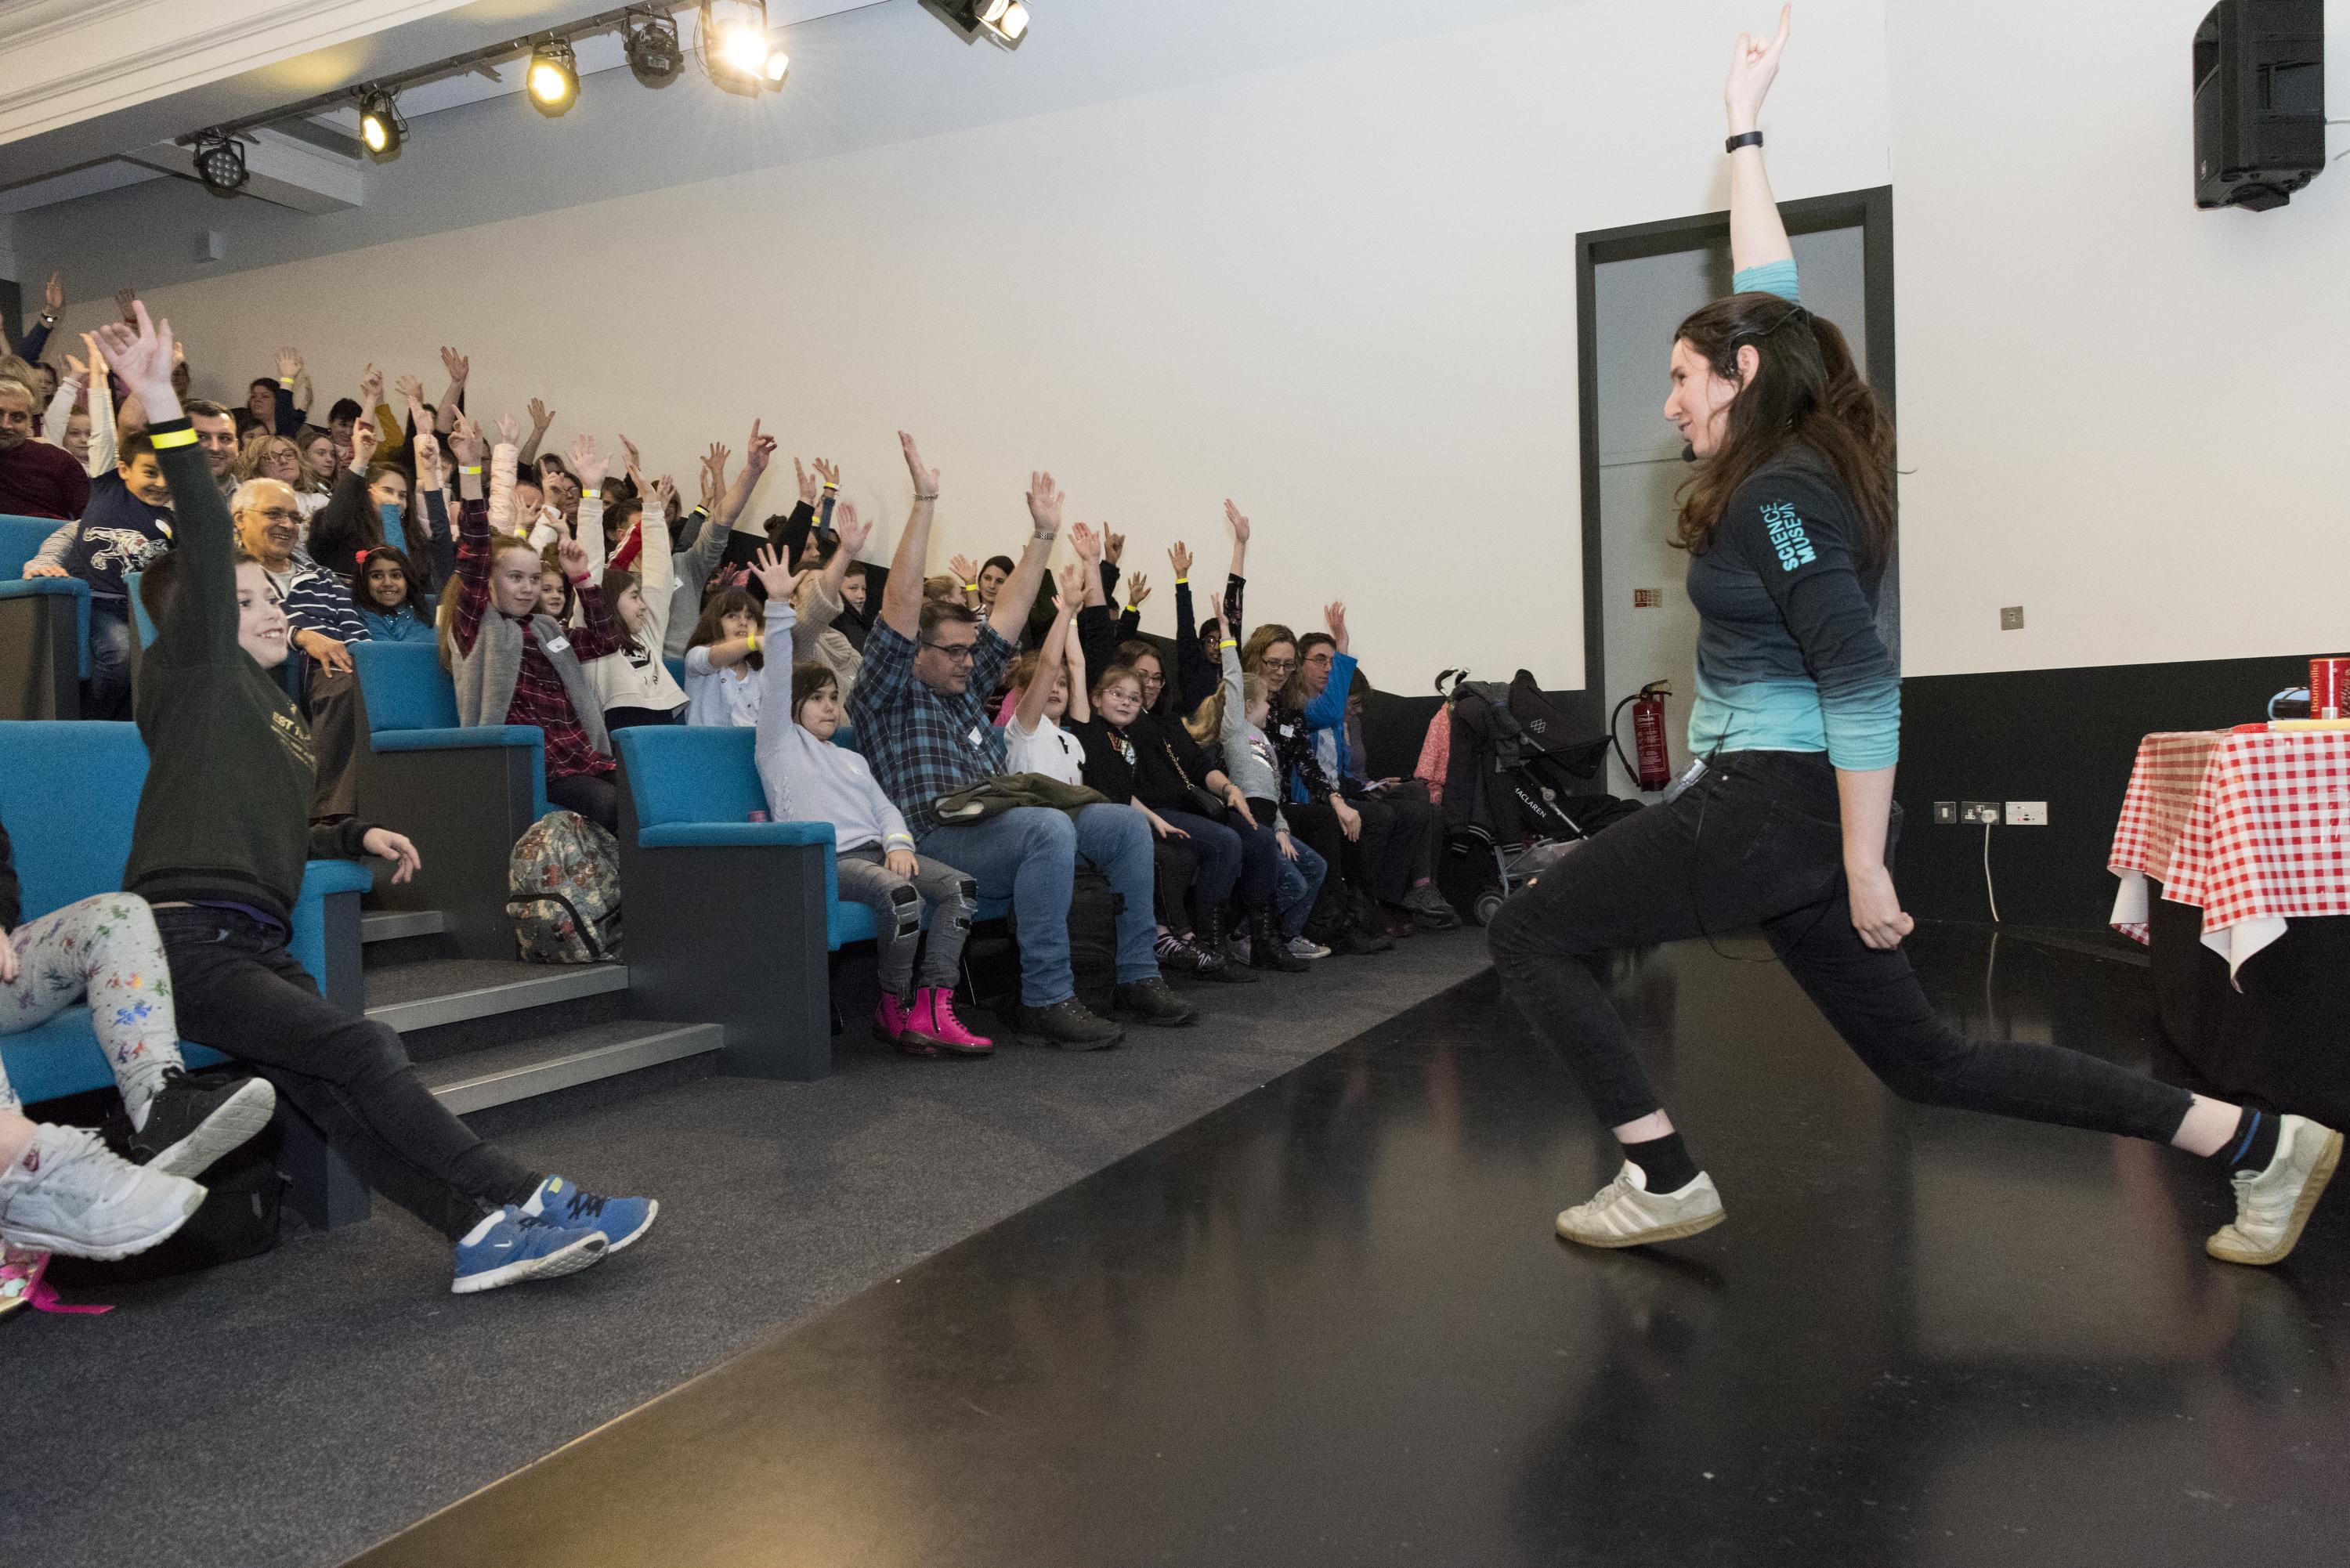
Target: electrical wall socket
(1946,812)
(2011,617)
(1979,813)
(2027,813)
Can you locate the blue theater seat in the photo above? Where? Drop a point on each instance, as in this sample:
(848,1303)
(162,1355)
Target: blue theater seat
(463,794)
(69,795)
(43,628)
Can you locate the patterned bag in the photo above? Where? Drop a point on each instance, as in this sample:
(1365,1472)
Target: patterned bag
(564,891)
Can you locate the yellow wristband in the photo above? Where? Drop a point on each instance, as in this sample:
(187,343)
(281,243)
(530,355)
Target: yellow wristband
(287,382)
(469,468)
(1183,582)
(170,439)
(1228,642)
(971,587)
(753,638)
(592,495)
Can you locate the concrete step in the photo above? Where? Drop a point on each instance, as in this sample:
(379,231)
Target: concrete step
(445,1006)
(392,925)
(547,1065)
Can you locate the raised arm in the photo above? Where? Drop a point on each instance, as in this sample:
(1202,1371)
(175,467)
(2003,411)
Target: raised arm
(1039,690)
(590,466)
(1019,590)
(901,601)
(468,447)
(541,416)
(203,626)
(453,402)
(1757,236)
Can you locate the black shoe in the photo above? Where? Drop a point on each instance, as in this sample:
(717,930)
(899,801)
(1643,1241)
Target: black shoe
(1349,942)
(1210,941)
(190,1126)
(1154,1003)
(1266,948)
(1068,1025)
(1431,908)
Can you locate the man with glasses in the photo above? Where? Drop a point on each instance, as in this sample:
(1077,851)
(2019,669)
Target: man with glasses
(920,709)
(322,623)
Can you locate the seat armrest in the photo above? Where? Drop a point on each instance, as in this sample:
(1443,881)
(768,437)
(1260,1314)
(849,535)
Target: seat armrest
(733,834)
(470,737)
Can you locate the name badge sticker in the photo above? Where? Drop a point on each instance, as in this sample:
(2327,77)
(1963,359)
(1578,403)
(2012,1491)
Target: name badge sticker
(977,742)
(559,645)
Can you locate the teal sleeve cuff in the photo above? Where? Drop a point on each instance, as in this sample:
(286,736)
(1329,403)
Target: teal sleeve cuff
(1864,731)
(1772,278)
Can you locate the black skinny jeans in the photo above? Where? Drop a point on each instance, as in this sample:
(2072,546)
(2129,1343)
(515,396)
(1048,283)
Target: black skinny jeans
(1757,842)
(240,991)
(595,796)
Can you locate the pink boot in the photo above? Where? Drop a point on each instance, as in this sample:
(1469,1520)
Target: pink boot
(933,1013)
(893,1026)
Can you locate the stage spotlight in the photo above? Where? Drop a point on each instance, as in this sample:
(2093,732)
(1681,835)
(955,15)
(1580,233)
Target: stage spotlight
(653,50)
(735,50)
(1000,22)
(220,164)
(380,127)
(554,77)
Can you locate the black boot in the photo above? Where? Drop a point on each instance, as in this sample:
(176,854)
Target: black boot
(1209,939)
(1266,948)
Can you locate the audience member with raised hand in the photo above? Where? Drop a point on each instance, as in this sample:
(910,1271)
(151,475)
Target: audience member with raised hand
(697,564)
(1318,814)
(635,688)
(391,597)
(430,498)
(516,666)
(59,1187)
(919,709)
(218,851)
(81,417)
(542,419)
(819,602)
(368,507)
(322,623)
(809,779)
(1256,769)
(724,659)
(1034,741)
(126,527)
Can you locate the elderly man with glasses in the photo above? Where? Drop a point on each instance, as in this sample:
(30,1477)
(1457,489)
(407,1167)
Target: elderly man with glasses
(323,623)
(920,708)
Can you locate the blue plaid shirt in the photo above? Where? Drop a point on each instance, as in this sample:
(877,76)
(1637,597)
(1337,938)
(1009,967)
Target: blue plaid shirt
(922,743)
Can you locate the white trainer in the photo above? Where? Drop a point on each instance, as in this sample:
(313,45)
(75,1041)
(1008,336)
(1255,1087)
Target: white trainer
(1625,1214)
(2272,1205)
(71,1194)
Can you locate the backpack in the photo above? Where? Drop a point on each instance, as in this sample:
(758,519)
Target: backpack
(564,891)
(238,1217)
(1093,908)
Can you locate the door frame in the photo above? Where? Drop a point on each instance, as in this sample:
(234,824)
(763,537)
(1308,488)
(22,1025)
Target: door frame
(1869,210)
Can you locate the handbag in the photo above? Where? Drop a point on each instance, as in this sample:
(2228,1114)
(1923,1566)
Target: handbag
(1204,802)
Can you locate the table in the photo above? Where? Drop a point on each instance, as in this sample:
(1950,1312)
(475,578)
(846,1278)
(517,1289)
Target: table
(2231,847)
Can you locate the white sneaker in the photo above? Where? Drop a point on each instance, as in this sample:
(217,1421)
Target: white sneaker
(1625,1214)
(1307,948)
(71,1194)
(2272,1205)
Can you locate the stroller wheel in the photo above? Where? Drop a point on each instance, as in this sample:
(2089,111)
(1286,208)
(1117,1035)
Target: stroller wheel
(1489,904)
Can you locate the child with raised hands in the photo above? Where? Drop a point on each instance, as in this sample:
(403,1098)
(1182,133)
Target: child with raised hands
(1034,741)
(724,661)
(389,597)
(635,688)
(809,779)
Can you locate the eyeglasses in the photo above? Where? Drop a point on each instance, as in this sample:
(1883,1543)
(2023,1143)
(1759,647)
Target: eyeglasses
(955,652)
(1317,659)
(1283,665)
(1150,681)
(277,513)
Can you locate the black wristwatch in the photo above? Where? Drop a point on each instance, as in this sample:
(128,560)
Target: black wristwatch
(1744,138)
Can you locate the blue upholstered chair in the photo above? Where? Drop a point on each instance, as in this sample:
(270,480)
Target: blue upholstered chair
(463,795)
(68,796)
(43,629)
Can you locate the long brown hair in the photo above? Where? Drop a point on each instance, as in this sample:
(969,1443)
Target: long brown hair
(1806,389)
(1253,658)
(711,629)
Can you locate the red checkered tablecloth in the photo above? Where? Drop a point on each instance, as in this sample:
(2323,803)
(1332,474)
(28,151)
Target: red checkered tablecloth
(2251,826)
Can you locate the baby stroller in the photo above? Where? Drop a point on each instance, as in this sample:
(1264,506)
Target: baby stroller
(1517,789)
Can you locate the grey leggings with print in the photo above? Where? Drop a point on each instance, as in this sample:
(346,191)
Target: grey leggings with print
(896,905)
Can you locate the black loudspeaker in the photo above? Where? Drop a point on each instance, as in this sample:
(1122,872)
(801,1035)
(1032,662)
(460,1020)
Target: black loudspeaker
(2260,103)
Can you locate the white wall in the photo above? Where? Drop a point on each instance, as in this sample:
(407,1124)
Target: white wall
(1335,283)
(2119,412)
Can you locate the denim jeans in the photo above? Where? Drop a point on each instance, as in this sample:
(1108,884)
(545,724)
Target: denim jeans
(1757,842)
(1219,849)
(107,693)
(240,991)
(1030,855)
(1297,884)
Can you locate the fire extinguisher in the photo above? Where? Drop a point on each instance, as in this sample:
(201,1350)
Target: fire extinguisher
(1654,770)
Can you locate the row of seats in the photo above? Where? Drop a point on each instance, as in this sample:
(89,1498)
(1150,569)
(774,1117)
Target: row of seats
(43,628)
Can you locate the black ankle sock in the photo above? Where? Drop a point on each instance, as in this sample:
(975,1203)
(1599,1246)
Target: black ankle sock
(2253,1146)
(1664,1162)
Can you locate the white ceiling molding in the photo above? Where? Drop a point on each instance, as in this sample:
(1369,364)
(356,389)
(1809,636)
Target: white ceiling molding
(66,62)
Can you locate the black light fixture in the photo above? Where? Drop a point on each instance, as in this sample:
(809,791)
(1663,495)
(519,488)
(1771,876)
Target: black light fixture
(220,162)
(652,44)
(553,76)
(1002,23)
(381,130)
(735,50)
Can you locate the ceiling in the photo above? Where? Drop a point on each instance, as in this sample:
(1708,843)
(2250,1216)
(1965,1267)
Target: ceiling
(99,90)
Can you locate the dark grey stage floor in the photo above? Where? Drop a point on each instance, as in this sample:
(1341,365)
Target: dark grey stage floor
(1328,1324)
(291,1410)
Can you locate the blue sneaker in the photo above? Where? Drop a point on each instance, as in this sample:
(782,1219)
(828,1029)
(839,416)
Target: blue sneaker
(566,1203)
(510,1246)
